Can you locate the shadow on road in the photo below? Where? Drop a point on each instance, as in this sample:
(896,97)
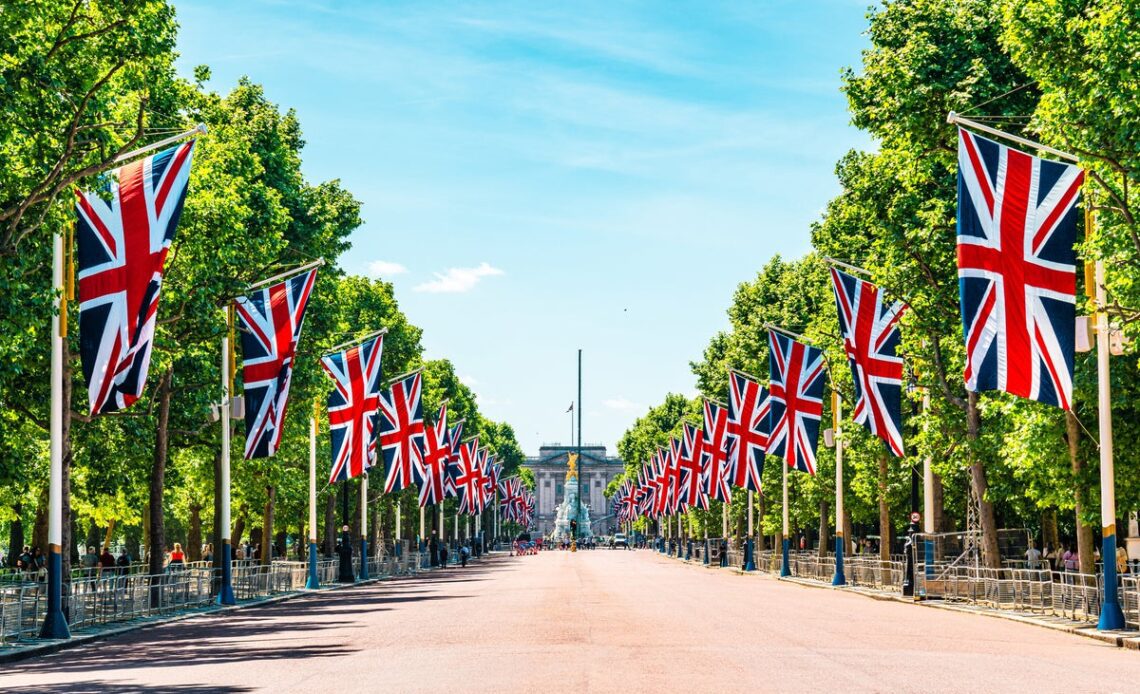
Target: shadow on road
(97,687)
(233,636)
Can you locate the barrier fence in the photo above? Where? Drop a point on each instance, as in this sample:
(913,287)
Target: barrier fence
(1066,594)
(121,595)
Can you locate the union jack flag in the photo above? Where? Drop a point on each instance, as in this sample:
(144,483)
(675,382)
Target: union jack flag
(673,465)
(1017,223)
(870,328)
(352,407)
(662,480)
(490,485)
(437,450)
(746,431)
(271,319)
(123,244)
(648,481)
(454,436)
(714,457)
(512,499)
(469,481)
(402,433)
(689,458)
(796,395)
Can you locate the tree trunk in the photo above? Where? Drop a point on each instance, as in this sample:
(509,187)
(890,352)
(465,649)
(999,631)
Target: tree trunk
(267,526)
(40,524)
(238,531)
(991,555)
(194,533)
(884,509)
(1084,532)
(758,523)
(15,535)
(848,531)
(330,524)
(824,529)
(139,556)
(157,481)
(355,523)
(1050,536)
(109,536)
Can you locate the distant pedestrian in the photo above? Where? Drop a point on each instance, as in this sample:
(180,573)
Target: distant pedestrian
(177,559)
(38,564)
(1071,560)
(464,552)
(106,562)
(1121,559)
(1033,557)
(123,563)
(89,561)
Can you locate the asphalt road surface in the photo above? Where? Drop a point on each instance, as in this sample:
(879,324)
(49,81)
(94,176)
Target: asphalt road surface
(600,621)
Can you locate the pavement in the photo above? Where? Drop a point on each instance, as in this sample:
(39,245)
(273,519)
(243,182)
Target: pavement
(600,620)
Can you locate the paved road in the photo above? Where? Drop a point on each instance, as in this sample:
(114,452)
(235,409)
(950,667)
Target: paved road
(602,621)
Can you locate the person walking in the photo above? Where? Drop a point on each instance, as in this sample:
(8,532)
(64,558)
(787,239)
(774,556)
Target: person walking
(106,563)
(177,559)
(123,563)
(433,549)
(89,561)
(464,552)
(1033,557)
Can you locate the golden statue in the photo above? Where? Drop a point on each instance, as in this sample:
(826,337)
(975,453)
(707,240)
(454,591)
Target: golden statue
(571,466)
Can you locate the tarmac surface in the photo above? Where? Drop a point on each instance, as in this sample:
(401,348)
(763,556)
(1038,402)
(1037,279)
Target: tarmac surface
(597,621)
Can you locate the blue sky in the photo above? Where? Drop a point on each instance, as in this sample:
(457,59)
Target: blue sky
(539,176)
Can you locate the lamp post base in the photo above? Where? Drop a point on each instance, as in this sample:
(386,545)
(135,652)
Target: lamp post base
(55,624)
(313,581)
(226,590)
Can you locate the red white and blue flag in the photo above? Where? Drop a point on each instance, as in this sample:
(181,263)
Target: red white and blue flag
(689,463)
(402,433)
(123,242)
(352,407)
(1017,224)
(673,466)
(454,437)
(714,456)
(470,479)
(271,320)
(870,328)
(437,451)
(746,431)
(795,390)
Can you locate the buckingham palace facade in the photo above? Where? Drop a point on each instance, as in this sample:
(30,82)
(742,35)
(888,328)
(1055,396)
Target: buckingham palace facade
(596,470)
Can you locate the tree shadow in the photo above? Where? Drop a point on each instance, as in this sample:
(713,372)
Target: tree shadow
(100,686)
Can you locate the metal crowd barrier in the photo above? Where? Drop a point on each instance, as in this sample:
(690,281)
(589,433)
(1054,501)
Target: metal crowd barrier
(118,597)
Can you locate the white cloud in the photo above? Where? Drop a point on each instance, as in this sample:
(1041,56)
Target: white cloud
(468,381)
(458,279)
(620,404)
(385,268)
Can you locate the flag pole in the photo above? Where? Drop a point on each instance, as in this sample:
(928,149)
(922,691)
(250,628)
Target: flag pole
(334,350)
(313,582)
(364,526)
(55,624)
(199,129)
(928,497)
(749,543)
(226,590)
(1111,616)
(954,119)
(839,578)
(785,542)
(288,273)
